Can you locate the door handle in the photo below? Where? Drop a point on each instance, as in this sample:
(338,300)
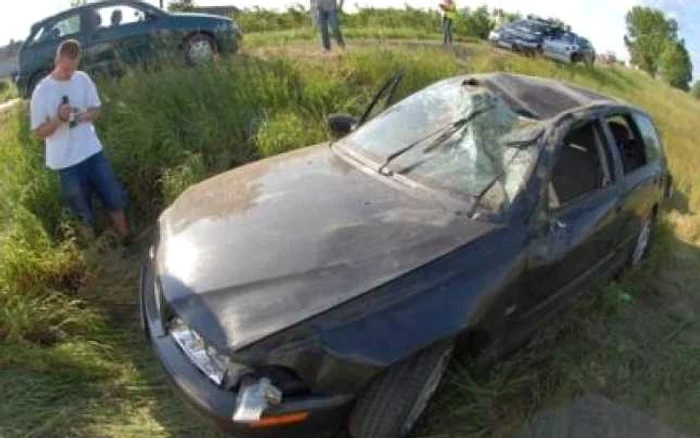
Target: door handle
(559,225)
(558,228)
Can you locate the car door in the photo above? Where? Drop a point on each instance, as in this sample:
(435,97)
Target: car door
(577,221)
(120,35)
(550,45)
(643,179)
(559,47)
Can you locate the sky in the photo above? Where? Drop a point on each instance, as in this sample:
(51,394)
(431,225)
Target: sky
(601,21)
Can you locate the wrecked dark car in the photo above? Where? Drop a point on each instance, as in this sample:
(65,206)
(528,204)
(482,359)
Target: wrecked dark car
(328,287)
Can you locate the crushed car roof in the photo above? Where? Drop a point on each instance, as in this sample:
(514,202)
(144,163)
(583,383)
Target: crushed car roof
(536,97)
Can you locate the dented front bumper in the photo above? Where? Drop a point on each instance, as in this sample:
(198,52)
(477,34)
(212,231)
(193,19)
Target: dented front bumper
(294,416)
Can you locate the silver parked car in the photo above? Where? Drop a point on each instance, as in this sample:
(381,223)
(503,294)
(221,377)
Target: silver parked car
(568,47)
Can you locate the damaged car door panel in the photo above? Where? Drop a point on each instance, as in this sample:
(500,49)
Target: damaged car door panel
(305,291)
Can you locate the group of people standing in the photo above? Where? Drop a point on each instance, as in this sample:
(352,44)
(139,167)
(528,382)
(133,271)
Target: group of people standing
(326,13)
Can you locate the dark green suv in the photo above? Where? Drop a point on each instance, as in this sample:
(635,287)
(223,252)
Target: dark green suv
(115,33)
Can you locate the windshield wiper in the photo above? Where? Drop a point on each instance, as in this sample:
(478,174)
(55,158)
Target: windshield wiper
(519,145)
(445,132)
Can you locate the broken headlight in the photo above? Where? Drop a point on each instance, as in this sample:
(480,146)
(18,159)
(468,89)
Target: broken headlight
(205,357)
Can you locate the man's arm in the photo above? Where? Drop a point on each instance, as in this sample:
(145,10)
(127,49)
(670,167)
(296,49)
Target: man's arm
(51,124)
(48,128)
(89,115)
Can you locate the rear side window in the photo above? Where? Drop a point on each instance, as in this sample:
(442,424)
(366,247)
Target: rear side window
(628,142)
(119,15)
(650,137)
(579,168)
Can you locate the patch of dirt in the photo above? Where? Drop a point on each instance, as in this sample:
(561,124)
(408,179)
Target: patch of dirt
(594,416)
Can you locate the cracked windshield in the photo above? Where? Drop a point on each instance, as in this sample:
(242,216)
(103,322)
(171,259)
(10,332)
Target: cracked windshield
(492,143)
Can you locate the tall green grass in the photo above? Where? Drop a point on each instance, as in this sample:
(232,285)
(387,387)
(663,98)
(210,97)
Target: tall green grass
(8,91)
(67,312)
(72,362)
(470,22)
(169,128)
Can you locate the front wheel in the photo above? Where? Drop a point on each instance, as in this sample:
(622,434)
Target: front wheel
(200,49)
(393,403)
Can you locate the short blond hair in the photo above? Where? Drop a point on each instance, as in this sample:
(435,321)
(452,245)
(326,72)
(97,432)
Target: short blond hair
(68,49)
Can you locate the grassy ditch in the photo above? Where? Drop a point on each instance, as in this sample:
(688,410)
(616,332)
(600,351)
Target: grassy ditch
(8,91)
(73,361)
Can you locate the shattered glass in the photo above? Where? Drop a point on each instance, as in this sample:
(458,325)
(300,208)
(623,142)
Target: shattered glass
(497,144)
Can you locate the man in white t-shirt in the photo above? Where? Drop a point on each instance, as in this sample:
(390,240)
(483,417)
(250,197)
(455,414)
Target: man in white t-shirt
(63,106)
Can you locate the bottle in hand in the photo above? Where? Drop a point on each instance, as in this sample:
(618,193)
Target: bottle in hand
(71,118)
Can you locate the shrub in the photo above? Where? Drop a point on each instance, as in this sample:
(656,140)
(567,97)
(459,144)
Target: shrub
(475,22)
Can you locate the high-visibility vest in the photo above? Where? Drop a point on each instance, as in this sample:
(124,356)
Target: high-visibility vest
(450,11)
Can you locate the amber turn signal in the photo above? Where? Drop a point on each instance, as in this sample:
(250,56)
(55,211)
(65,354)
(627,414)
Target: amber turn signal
(281,420)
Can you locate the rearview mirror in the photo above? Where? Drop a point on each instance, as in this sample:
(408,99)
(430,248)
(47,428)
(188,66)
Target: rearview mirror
(341,125)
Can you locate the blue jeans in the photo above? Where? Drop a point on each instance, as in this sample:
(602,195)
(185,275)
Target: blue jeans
(326,18)
(92,174)
(447,31)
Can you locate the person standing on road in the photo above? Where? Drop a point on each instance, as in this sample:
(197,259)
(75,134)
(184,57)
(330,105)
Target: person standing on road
(63,106)
(329,15)
(449,14)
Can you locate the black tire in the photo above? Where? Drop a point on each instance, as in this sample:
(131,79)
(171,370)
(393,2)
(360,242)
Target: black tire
(575,58)
(199,49)
(393,403)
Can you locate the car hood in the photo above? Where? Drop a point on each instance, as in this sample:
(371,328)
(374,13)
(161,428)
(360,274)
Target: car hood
(257,249)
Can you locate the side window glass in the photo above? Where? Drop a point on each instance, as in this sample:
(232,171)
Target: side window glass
(578,169)
(628,142)
(38,36)
(67,26)
(650,137)
(119,15)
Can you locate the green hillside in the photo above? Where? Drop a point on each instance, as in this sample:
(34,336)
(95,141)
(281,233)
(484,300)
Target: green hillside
(74,363)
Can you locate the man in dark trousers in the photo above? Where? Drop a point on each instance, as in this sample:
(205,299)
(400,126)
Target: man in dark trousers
(328,15)
(63,107)
(449,14)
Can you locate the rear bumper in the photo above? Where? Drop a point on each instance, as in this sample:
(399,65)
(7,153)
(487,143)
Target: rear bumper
(326,412)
